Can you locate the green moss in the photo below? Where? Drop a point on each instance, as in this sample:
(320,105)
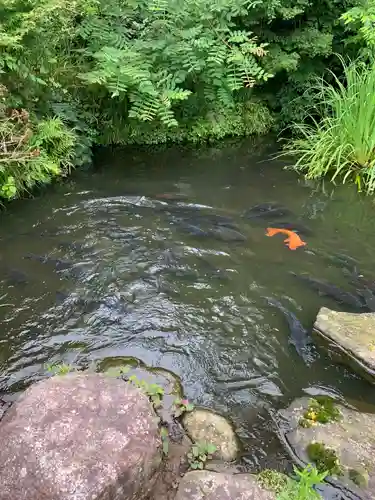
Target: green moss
(321,410)
(325,459)
(360,478)
(273,480)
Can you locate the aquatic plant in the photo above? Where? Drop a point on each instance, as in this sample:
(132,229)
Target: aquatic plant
(199,454)
(325,459)
(59,369)
(360,478)
(342,143)
(302,487)
(154,391)
(164,440)
(322,410)
(182,406)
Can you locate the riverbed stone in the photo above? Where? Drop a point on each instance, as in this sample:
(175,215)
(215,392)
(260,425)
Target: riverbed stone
(205,425)
(350,338)
(206,485)
(79,437)
(351,437)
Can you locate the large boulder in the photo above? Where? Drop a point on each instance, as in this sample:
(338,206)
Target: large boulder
(338,439)
(206,485)
(79,436)
(205,425)
(350,338)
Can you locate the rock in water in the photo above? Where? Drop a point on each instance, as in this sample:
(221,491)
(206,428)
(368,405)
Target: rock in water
(79,436)
(346,443)
(205,425)
(350,338)
(206,485)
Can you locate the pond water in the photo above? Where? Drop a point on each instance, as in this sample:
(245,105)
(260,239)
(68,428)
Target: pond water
(138,274)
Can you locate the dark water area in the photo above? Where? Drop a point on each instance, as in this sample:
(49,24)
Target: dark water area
(124,271)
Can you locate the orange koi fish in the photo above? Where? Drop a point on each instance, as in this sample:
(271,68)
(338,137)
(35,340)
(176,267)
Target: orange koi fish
(293,241)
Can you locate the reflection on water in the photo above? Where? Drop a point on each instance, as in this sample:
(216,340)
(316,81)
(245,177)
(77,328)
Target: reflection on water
(155,256)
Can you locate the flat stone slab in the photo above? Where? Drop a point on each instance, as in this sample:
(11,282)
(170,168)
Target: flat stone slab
(206,485)
(352,438)
(79,437)
(351,337)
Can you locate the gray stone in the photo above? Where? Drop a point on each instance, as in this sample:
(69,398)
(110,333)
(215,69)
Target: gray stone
(79,437)
(208,426)
(206,485)
(352,438)
(350,338)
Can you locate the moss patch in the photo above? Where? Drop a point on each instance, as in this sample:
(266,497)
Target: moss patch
(321,410)
(360,478)
(273,480)
(325,459)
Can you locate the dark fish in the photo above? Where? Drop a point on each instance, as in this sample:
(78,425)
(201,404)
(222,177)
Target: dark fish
(15,277)
(369,298)
(218,220)
(266,211)
(169,257)
(193,229)
(299,336)
(325,288)
(59,264)
(224,233)
(61,296)
(292,226)
(171,196)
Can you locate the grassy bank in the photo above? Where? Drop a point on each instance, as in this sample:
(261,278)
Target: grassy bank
(87,72)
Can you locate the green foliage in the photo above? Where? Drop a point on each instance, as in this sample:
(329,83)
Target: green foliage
(113,72)
(60,369)
(199,454)
(320,410)
(182,406)
(273,480)
(154,391)
(360,21)
(342,143)
(302,487)
(325,459)
(164,440)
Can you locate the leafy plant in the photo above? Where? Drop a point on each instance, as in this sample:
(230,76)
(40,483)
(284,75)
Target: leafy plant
(165,440)
(342,143)
(182,406)
(59,369)
(154,391)
(199,454)
(324,458)
(320,410)
(301,488)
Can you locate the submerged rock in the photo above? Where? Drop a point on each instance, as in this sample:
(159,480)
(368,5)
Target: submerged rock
(344,445)
(205,425)
(206,485)
(83,436)
(350,338)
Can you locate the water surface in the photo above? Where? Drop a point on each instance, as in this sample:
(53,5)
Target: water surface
(138,284)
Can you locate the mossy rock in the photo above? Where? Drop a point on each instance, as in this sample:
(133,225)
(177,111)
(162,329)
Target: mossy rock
(129,367)
(344,446)
(273,480)
(321,410)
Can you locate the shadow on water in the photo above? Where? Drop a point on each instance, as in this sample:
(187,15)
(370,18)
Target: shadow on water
(157,256)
